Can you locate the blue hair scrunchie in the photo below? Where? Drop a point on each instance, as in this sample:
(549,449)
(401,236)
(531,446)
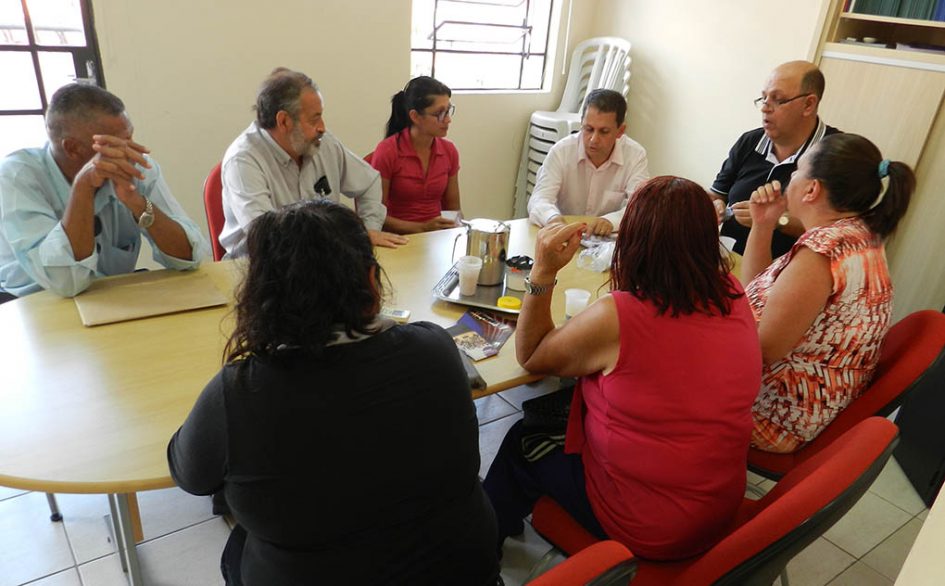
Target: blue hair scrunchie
(884,168)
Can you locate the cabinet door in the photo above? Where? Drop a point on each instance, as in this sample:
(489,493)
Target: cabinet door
(892,105)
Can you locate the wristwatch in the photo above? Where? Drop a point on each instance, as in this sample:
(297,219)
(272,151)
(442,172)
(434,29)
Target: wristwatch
(784,220)
(534,289)
(147,216)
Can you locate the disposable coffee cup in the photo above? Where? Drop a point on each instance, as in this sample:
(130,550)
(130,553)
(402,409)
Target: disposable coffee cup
(727,242)
(468,268)
(575,300)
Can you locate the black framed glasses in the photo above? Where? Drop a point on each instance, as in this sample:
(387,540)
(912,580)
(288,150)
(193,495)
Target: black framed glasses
(441,115)
(775,104)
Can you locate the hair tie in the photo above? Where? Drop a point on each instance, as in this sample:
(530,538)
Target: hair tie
(884,168)
(884,186)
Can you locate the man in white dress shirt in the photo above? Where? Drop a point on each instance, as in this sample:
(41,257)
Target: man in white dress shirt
(286,155)
(593,172)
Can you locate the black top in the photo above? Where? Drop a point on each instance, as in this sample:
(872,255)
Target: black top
(358,468)
(747,168)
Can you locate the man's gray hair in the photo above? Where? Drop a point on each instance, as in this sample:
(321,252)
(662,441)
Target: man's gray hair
(281,91)
(78,103)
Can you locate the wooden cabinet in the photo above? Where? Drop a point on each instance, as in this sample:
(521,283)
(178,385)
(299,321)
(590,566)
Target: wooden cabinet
(894,97)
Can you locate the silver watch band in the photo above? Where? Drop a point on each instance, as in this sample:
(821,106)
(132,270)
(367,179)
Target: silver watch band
(535,289)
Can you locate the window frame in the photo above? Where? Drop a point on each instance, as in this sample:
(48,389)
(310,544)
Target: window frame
(86,58)
(524,54)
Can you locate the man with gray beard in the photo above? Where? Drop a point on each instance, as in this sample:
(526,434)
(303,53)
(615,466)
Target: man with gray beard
(287,155)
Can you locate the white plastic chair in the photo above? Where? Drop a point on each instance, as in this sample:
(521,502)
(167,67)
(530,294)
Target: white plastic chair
(598,63)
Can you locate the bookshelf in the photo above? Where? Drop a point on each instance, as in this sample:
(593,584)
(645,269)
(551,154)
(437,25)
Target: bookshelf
(888,31)
(894,97)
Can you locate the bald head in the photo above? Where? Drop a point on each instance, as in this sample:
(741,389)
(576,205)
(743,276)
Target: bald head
(806,75)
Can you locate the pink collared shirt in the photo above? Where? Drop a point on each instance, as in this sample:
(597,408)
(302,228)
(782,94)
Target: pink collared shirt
(413,195)
(569,184)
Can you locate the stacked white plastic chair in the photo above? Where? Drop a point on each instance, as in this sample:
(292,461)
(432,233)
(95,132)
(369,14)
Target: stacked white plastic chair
(598,63)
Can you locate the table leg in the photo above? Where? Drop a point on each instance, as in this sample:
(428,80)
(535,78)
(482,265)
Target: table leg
(116,532)
(135,517)
(124,532)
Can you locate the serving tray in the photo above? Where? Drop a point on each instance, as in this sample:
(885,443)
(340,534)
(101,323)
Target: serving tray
(447,289)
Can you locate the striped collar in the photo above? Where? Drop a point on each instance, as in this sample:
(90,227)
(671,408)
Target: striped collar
(765,145)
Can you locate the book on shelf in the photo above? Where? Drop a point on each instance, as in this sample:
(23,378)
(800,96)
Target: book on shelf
(916,9)
(921,48)
(939,13)
(877,7)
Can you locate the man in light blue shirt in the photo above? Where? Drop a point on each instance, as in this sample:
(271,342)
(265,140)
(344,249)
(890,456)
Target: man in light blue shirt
(76,208)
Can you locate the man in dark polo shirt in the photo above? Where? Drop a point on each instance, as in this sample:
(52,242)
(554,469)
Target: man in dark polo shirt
(790,126)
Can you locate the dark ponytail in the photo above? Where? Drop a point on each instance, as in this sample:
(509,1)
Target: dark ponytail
(854,172)
(399,116)
(417,95)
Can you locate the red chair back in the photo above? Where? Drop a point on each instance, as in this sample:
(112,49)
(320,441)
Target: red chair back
(604,563)
(213,206)
(910,347)
(767,533)
(799,509)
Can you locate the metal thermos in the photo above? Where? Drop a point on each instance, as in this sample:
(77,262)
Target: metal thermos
(489,240)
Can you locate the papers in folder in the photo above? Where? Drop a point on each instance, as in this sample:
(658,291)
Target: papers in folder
(146,294)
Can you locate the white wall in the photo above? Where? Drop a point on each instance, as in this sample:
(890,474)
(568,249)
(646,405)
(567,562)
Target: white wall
(188,72)
(697,66)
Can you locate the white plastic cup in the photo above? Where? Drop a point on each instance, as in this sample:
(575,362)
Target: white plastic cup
(727,242)
(575,300)
(451,215)
(468,267)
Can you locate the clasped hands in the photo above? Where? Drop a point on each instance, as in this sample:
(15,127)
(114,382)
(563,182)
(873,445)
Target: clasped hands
(597,226)
(115,159)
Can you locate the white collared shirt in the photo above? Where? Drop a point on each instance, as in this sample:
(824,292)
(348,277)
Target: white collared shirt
(569,184)
(259,176)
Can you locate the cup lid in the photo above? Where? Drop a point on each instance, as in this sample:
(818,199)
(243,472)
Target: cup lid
(520,262)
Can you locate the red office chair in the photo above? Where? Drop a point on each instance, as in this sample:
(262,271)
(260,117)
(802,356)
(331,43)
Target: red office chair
(910,347)
(766,533)
(605,563)
(213,205)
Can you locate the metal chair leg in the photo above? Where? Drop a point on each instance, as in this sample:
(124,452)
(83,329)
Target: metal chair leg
(542,565)
(54,514)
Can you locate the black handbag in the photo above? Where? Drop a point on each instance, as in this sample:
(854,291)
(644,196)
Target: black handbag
(548,412)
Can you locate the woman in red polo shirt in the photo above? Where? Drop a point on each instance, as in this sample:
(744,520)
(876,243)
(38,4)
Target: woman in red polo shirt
(419,168)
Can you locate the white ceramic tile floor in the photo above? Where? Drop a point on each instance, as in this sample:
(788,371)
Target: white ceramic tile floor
(817,565)
(68,578)
(184,542)
(859,574)
(866,525)
(887,557)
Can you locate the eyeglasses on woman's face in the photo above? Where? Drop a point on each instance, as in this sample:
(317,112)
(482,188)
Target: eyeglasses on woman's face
(442,114)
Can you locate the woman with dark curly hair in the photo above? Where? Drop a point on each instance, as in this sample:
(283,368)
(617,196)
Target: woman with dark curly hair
(657,440)
(347,446)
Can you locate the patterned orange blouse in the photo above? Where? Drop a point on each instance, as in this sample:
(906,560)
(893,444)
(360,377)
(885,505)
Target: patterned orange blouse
(834,361)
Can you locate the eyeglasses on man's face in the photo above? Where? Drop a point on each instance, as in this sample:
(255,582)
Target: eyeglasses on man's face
(442,114)
(774,104)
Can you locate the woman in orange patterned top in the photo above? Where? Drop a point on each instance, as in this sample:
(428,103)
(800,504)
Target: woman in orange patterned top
(823,308)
